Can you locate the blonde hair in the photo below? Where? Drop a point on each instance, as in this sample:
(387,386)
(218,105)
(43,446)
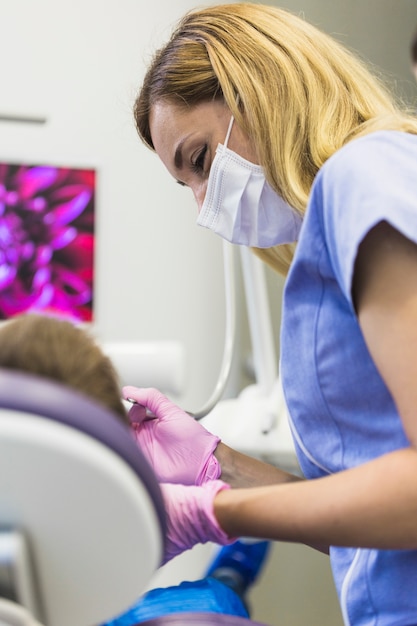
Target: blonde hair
(296,92)
(57,350)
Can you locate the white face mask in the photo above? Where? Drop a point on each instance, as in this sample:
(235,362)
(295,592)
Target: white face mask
(242,207)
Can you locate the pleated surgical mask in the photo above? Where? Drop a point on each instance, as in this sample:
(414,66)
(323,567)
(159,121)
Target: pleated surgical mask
(242,207)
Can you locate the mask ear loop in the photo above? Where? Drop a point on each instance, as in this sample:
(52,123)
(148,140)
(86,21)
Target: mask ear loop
(229,130)
(232,119)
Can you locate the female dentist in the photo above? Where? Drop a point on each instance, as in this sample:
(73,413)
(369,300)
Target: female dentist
(283,135)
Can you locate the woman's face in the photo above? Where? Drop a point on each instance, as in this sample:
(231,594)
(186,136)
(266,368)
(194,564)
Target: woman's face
(186,138)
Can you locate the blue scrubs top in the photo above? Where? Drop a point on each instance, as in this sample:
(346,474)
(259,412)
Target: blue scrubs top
(341,412)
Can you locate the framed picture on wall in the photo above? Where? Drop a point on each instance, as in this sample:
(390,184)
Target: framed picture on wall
(47,235)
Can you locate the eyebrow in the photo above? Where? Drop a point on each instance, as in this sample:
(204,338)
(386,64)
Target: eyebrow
(178,160)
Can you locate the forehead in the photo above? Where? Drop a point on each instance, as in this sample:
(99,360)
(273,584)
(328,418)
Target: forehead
(170,122)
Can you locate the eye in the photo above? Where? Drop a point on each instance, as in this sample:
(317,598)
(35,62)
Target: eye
(198,165)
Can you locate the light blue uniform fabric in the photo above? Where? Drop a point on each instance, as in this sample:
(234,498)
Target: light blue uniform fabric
(207,595)
(341,411)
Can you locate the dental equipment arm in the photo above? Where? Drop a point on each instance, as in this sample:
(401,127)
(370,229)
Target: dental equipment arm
(256,422)
(230,333)
(265,360)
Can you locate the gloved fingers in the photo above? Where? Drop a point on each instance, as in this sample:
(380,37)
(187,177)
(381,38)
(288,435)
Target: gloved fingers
(152,399)
(180,448)
(138,394)
(137,414)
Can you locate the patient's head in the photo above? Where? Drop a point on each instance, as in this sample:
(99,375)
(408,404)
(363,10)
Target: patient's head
(56,349)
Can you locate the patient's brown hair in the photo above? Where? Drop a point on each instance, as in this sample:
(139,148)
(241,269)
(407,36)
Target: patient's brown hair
(58,350)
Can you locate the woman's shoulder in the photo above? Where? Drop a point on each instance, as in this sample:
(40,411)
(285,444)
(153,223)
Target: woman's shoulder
(382,158)
(371,179)
(363,152)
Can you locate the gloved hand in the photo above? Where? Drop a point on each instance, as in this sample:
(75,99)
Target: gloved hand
(190,517)
(179,449)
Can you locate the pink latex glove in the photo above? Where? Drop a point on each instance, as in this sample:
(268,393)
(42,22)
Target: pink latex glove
(179,449)
(190,517)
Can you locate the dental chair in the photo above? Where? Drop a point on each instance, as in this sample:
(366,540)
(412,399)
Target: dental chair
(82,520)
